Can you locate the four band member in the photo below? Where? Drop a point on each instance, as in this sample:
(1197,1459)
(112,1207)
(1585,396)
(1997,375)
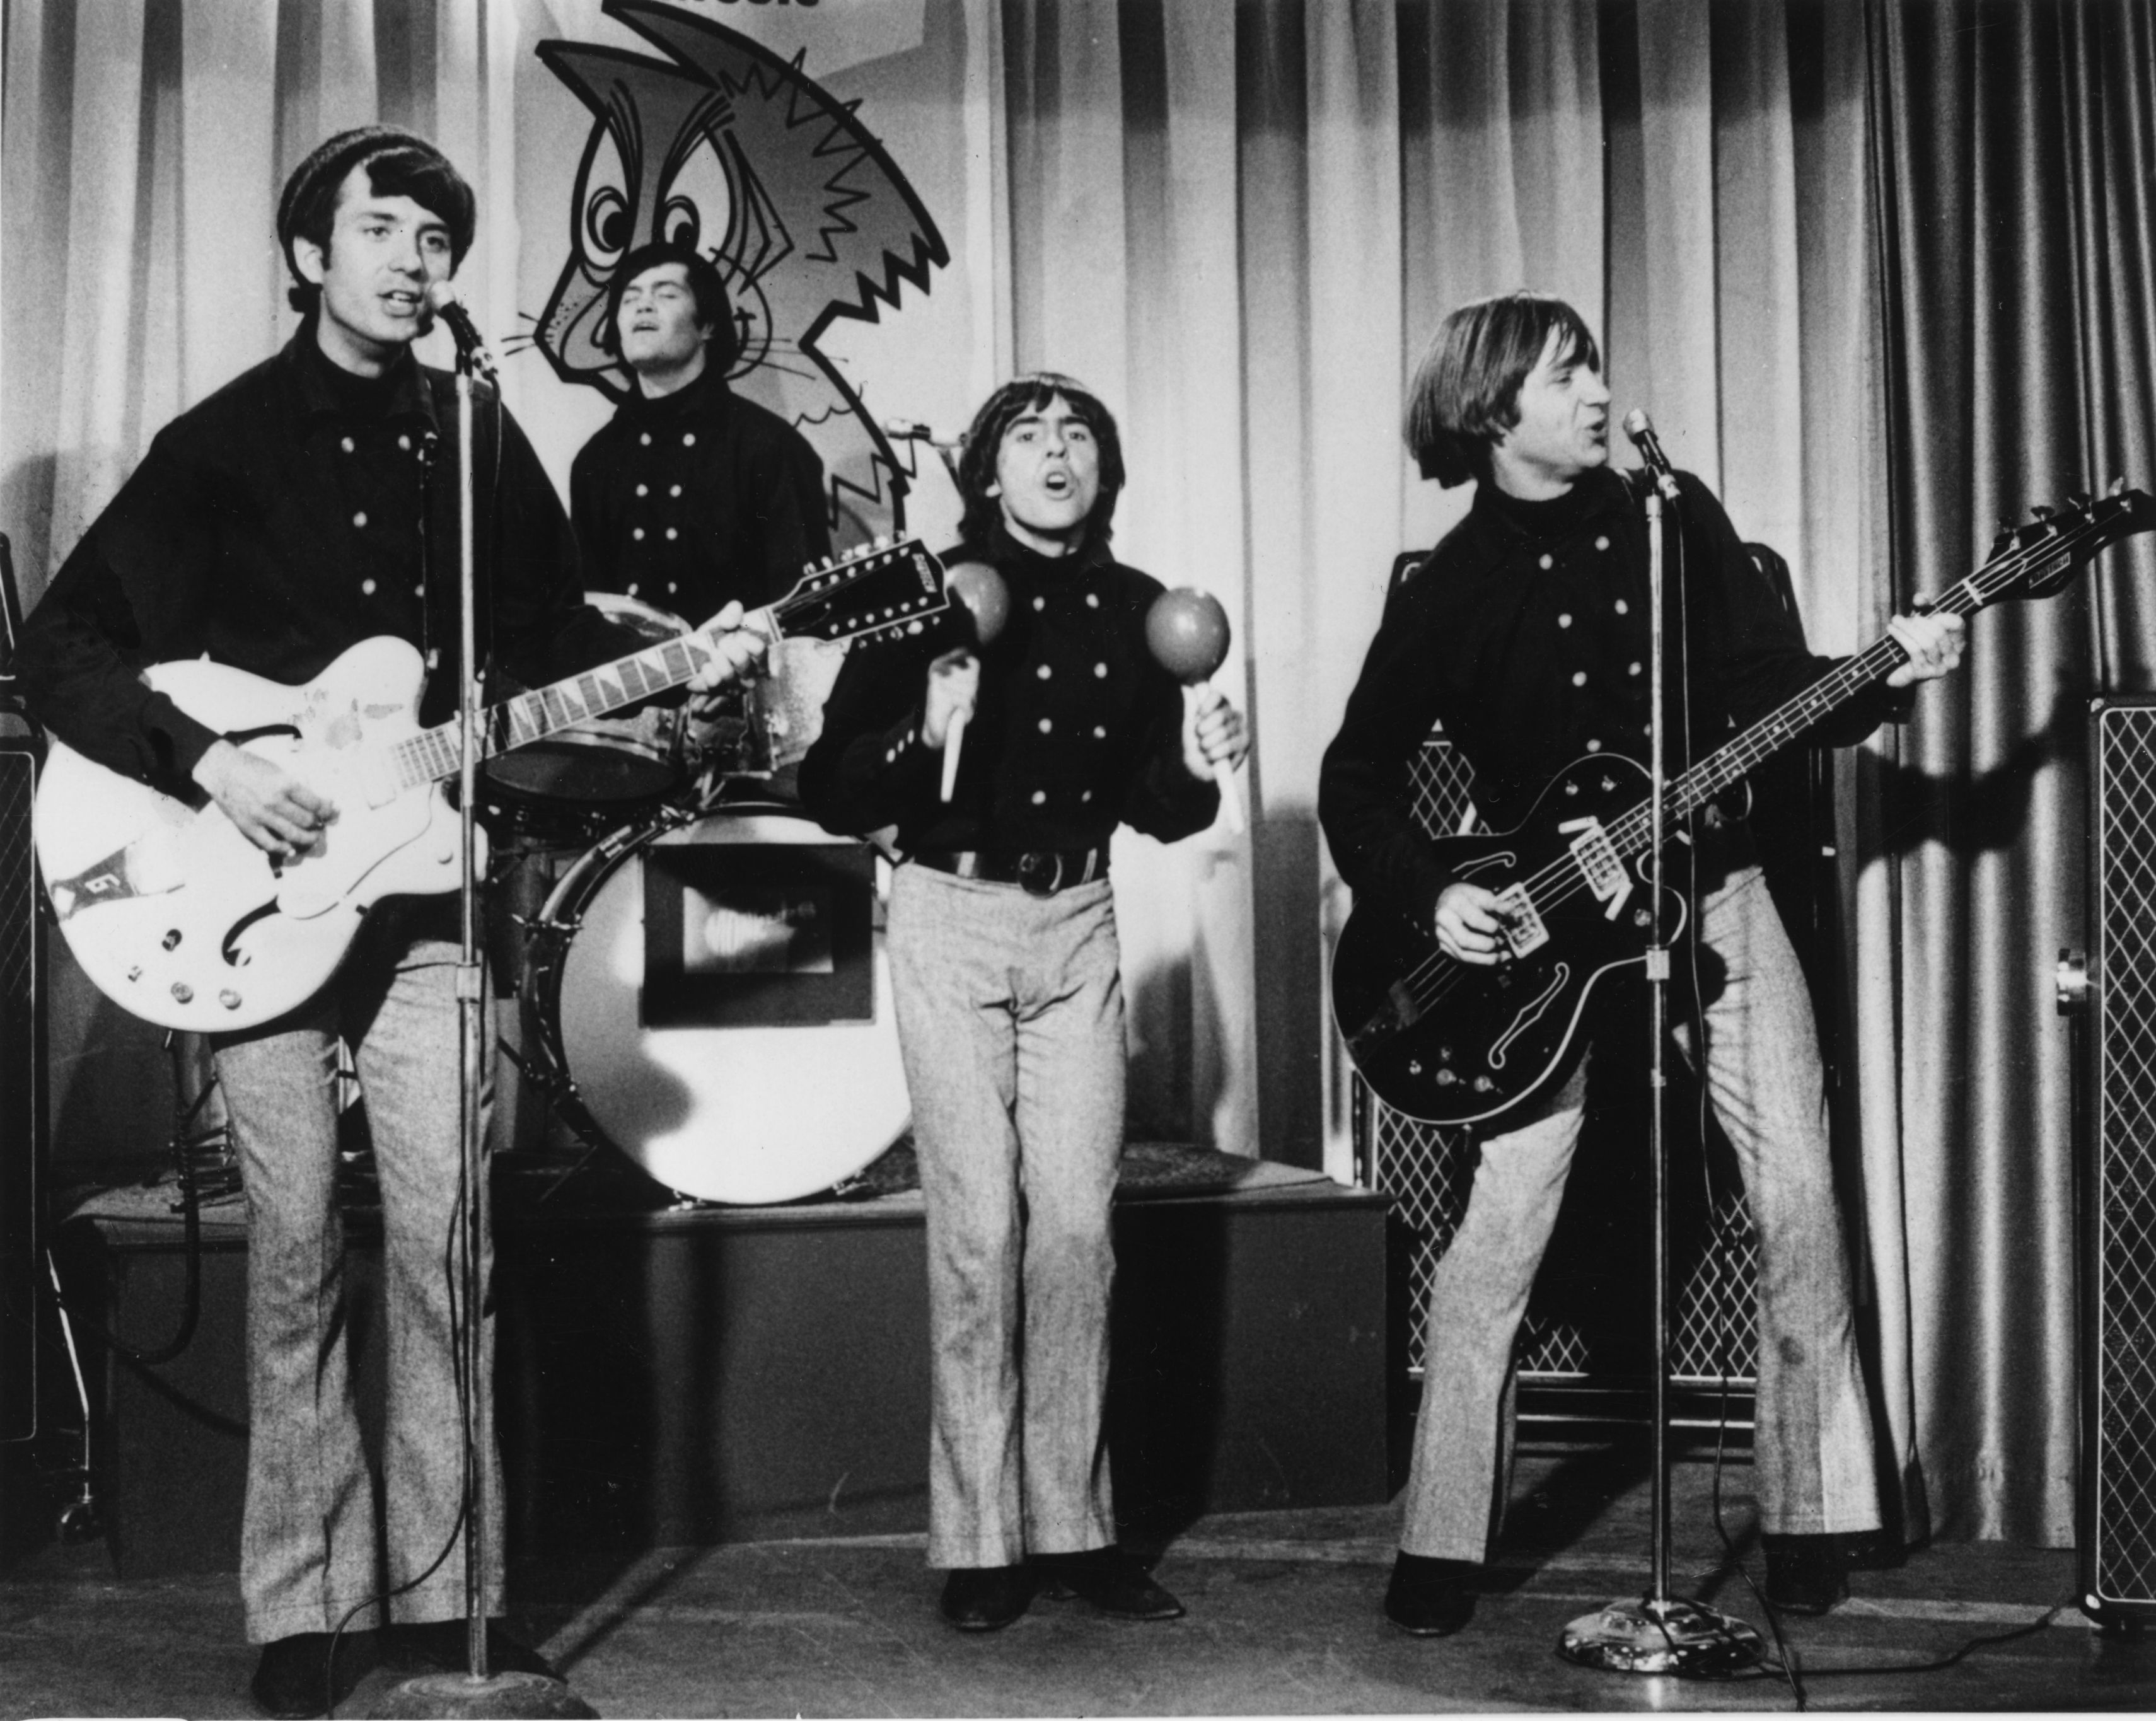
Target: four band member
(1004,961)
(1525,632)
(308,505)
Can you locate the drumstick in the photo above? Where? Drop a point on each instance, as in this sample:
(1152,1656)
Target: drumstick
(1187,631)
(985,601)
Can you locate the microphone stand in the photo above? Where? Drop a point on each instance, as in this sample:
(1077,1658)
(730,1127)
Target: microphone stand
(474,1693)
(1661,1633)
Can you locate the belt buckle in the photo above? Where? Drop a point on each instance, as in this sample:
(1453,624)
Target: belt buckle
(1035,862)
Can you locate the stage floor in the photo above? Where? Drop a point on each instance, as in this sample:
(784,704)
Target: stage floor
(1283,1620)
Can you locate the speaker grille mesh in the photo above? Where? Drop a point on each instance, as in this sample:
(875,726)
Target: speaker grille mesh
(2124,1184)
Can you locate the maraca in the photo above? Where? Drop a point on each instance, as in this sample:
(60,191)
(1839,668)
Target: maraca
(1187,632)
(987,599)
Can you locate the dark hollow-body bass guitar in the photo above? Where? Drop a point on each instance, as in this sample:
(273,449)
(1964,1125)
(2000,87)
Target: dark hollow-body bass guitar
(1449,1043)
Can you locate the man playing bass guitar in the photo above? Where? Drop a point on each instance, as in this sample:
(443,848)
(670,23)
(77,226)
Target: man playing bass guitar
(1525,633)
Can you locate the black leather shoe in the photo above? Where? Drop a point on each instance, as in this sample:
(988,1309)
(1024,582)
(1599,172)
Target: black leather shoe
(446,1644)
(295,1679)
(1806,1575)
(986,1598)
(1110,1580)
(1431,1598)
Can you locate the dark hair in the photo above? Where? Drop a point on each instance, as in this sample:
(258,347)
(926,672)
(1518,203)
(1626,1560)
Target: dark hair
(714,311)
(984,441)
(1466,390)
(399,164)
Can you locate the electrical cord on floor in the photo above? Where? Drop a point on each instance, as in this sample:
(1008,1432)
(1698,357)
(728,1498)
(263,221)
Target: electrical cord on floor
(1784,1666)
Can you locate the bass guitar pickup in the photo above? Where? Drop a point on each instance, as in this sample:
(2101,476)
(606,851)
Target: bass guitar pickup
(1605,875)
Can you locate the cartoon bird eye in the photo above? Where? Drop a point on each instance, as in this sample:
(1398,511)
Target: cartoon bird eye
(698,203)
(604,217)
(606,222)
(679,223)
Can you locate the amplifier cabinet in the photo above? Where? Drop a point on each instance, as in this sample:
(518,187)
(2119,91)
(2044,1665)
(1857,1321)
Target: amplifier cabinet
(2116,1118)
(21,1087)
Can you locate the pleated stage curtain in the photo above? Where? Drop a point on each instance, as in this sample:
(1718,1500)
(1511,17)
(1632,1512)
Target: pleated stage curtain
(144,141)
(2017,154)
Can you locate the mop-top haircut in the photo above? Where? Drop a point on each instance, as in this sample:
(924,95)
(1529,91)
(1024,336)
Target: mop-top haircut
(714,311)
(1466,394)
(399,164)
(977,464)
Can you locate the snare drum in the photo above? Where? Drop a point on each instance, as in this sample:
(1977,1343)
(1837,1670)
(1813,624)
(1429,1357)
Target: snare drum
(710,996)
(614,764)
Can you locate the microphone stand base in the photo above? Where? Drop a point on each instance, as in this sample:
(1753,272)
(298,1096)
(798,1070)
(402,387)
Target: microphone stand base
(1664,1636)
(499,1697)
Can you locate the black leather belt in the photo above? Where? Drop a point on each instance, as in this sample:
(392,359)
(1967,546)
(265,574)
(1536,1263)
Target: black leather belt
(1041,871)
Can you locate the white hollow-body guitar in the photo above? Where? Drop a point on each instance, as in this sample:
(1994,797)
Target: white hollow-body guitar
(175,916)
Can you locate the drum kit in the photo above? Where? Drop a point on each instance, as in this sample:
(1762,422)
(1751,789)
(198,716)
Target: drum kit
(702,985)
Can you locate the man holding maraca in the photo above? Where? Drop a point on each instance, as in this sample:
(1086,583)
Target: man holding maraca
(1005,967)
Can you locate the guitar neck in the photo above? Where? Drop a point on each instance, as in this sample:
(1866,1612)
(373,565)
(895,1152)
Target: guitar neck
(877,591)
(1686,794)
(435,754)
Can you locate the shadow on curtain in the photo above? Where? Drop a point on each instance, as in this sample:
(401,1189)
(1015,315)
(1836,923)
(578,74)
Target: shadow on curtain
(2016,157)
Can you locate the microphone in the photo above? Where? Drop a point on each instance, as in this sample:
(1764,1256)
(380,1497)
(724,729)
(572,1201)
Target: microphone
(444,300)
(913,430)
(1641,429)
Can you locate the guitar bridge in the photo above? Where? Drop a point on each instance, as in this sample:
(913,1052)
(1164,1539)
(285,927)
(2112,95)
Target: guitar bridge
(1603,874)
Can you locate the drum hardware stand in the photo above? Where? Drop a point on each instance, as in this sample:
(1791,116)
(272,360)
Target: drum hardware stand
(475,1692)
(1661,1633)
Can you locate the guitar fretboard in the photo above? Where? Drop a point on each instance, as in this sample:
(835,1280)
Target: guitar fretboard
(1687,793)
(436,753)
(874,591)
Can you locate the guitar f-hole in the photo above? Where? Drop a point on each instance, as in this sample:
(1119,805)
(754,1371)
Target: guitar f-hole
(235,957)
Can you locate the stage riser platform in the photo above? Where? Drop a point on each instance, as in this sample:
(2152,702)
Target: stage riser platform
(719,1375)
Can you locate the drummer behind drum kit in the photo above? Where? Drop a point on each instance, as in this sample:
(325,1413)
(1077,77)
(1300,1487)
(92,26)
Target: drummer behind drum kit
(703,986)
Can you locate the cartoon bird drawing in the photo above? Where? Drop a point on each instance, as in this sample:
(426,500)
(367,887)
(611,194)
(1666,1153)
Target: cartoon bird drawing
(727,146)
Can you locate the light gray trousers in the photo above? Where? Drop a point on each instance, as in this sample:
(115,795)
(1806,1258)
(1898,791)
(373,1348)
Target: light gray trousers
(1812,1451)
(310,1539)
(1010,1019)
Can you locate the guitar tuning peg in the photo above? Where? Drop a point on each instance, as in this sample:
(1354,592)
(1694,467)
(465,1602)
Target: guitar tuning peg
(2042,512)
(2080,500)
(2117,487)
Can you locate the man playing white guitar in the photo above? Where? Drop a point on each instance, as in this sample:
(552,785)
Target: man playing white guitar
(1525,633)
(307,506)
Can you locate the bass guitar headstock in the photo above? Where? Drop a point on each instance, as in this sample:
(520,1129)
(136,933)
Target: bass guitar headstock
(2043,557)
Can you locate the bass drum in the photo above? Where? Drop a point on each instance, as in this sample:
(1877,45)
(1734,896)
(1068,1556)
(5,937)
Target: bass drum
(709,995)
